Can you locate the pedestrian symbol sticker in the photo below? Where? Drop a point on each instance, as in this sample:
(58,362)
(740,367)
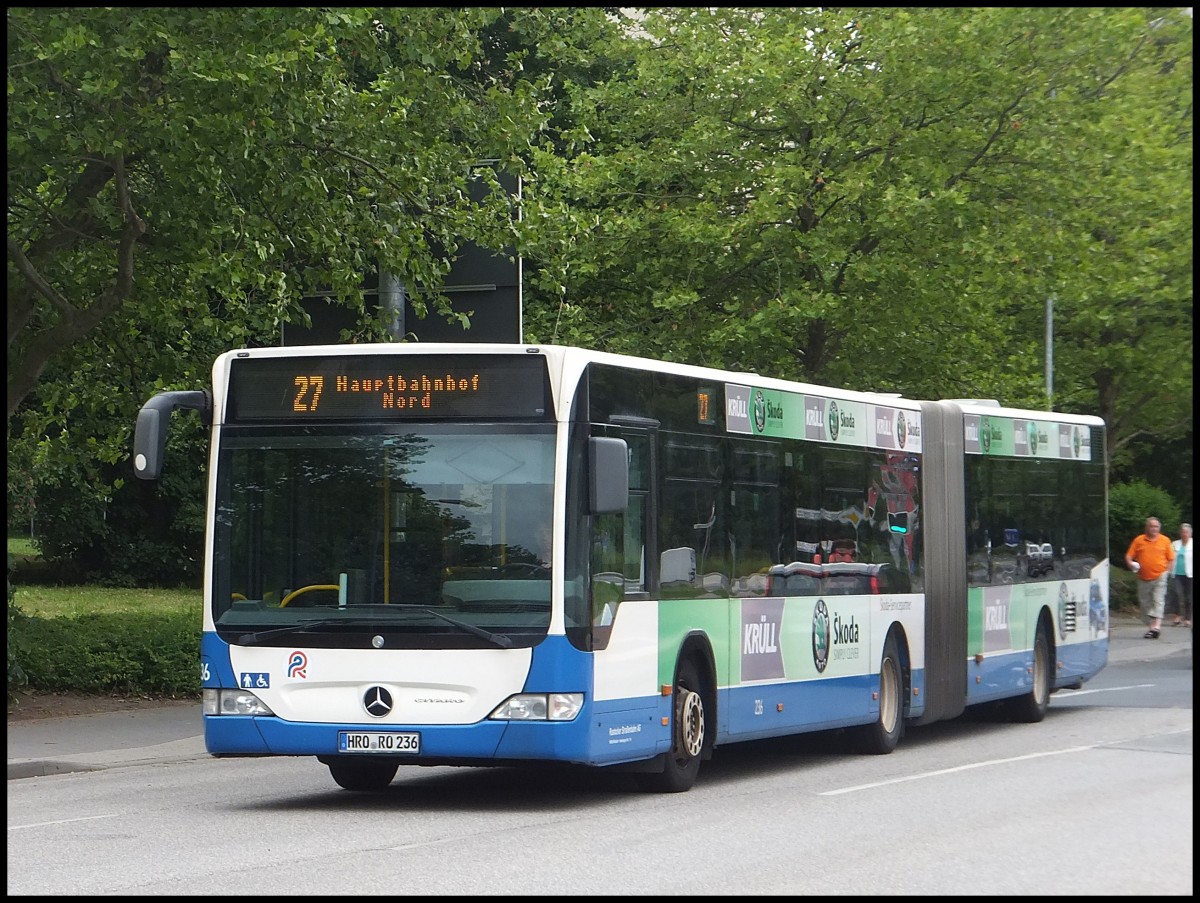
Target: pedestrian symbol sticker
(252,680)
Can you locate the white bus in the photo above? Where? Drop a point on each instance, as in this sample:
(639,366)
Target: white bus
(498,554)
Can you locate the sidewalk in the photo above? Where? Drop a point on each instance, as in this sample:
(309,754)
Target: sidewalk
(1127,641)
(174,732)
(171,732)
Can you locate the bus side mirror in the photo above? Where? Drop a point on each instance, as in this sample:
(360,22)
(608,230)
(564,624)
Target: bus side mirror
(608,475)
(150,436)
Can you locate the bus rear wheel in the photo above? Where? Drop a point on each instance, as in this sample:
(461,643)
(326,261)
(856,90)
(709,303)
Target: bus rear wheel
(882,737)
(362,775)
(688,726)
(1032,706)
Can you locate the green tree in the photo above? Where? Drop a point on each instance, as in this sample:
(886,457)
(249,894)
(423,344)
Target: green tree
(885,198)
(878,198)
(180,178)
(200,170)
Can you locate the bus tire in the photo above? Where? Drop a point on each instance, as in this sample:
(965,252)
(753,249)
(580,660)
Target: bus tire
(1032,707)
(882,736)
(689,724)
(362,774)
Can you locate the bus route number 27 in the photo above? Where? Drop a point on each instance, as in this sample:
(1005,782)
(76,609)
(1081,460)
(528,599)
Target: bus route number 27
(308,393)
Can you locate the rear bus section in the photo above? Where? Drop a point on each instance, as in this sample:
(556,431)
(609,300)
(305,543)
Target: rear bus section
(1023,533)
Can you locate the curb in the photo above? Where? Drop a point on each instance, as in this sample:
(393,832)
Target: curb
(188,749)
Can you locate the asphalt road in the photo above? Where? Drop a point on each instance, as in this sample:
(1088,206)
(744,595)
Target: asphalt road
(1094,801)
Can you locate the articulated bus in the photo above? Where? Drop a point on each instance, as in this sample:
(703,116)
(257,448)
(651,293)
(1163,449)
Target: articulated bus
(508,554)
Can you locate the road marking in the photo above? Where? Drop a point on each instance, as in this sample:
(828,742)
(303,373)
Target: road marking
(1071,694)
(934,774)
(991,762)
(64,821)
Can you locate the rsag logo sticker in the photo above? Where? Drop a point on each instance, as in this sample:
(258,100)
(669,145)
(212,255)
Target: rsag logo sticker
(298,665)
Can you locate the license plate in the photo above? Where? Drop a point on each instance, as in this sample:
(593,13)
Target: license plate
(392,743)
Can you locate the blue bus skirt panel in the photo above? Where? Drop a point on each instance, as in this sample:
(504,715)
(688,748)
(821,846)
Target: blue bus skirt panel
(1010,674)
(777,709)
(610,732)
(593,738)
(607,732)
(238,735)
(999,676)
(604,733)
(1080,661)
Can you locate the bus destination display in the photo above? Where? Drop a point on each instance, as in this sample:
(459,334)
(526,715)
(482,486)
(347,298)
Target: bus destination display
(387,387)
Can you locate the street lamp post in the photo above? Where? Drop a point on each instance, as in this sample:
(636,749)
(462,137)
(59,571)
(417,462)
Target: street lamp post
(1050,352)
(1050,342)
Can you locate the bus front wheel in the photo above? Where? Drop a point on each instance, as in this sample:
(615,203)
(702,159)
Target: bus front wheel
(688,726)
(359,774)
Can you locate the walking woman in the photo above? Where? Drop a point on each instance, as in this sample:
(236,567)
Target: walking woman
(1181,575)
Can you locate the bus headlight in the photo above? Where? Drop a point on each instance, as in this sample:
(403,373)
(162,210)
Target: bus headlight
(233,702)
(539,707)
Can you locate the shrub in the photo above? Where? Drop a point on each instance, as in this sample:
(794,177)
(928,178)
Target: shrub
(15,646)
(1122,588)
(1129,504)
(98,524)
(115,653)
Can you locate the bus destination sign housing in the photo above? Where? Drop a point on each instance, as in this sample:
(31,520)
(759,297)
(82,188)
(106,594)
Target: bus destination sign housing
(388,388)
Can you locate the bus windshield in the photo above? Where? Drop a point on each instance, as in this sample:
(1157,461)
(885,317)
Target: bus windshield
(429,536)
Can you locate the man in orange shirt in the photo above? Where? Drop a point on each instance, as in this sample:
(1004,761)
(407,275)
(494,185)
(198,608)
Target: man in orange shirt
(1150,557)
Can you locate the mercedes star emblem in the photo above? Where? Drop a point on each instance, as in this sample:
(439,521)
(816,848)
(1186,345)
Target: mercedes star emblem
(377,701)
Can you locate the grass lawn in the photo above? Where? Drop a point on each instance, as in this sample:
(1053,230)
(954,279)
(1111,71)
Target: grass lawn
(72,601)
(22,547)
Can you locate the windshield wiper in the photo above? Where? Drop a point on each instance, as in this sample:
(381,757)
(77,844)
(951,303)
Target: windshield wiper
(502,641)
(499,639)
(249,639)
